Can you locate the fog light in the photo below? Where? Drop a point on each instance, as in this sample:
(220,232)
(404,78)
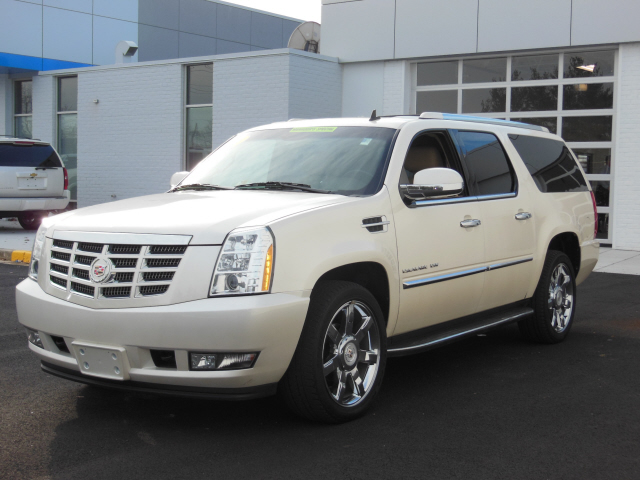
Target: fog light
(221,361)
(203,361)
(233,361)
(34,338)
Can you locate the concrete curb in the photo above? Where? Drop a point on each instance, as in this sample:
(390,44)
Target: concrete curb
(23,256)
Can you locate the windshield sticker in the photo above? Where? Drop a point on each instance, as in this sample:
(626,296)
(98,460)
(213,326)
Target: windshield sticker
(366,141)
(313,129)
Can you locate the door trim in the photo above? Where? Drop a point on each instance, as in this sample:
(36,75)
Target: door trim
(464,273)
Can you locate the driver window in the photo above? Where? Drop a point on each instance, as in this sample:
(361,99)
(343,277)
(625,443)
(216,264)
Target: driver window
(429,150)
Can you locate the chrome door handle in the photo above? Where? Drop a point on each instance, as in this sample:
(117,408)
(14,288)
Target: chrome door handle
(470,223)
(523,216)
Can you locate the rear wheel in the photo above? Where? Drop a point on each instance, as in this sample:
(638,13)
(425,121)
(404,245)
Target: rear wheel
(339,363)
(554,301)
(31,220)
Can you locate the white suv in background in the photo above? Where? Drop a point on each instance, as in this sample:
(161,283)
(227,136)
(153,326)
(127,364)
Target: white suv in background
(33,181)
(298,256)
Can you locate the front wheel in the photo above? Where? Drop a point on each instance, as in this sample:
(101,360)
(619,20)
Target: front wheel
(554,301)
(339,363)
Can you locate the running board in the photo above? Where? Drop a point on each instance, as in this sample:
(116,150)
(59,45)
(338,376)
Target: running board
(432,339)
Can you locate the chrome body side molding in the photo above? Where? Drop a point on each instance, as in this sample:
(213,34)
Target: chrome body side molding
(475,198)
(465,273)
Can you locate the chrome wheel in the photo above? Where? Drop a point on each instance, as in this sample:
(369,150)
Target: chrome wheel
(561,297)
(351,353)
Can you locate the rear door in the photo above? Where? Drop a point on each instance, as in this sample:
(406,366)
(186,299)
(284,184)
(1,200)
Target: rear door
(30,169)
(507,219)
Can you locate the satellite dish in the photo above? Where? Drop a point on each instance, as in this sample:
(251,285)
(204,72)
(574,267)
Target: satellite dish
(306,37)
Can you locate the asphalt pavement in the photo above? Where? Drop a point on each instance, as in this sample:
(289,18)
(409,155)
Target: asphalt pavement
(489,407)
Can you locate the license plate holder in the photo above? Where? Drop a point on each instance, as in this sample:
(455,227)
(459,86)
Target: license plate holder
(102,361)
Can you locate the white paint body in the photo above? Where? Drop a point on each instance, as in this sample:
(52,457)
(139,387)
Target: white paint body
(314,234)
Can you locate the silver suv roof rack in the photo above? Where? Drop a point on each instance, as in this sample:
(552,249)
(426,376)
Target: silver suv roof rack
(492,121)
(21,138)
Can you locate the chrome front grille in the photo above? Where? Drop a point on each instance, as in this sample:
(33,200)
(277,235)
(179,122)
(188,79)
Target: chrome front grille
(137,270)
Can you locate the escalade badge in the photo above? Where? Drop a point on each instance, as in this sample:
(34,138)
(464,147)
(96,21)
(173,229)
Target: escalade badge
(101,270)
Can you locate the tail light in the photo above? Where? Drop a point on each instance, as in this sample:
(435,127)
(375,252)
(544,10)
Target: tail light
(595,216)
(66,179)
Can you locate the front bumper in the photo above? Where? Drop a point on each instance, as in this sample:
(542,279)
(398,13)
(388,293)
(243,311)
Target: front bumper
(24,204)
(270,324)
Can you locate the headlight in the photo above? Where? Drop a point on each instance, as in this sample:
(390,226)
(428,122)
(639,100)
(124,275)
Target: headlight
(245,263)
(36,253)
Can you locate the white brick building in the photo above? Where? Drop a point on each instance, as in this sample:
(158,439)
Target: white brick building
(570,65)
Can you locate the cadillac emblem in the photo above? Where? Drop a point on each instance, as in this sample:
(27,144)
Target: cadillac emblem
(101,270)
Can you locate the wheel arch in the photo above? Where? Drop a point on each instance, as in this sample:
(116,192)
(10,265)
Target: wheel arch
(370,275)
(569,244)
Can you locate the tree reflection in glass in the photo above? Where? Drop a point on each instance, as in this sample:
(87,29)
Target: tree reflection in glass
(587,96)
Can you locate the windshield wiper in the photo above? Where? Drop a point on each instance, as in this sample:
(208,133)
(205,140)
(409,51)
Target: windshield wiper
(199,186)
(282,186)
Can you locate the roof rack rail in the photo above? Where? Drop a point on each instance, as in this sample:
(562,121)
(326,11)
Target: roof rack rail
(491,121)
(21,138)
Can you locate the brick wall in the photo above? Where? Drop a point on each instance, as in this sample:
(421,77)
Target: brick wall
(130,143)
(248,92)
(253,91)
(315,88)
(132,140)
(395,79)
(626,164)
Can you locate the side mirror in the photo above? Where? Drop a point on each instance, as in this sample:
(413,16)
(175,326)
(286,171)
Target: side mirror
(434,183)
(177,177)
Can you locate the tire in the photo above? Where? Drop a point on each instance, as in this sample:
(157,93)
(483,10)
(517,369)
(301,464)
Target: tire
(31,220)
(337,369)
(554,302)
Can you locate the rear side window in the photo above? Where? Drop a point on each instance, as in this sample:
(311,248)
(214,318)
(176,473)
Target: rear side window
(12,155)
(550,163)
(488,169)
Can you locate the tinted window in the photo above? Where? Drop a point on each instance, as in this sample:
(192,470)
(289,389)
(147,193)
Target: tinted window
(28,156)
(438,73)
(488,169)
(550,164)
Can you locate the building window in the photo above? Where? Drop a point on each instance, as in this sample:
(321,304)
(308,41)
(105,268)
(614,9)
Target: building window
(22,110)
(571,93)
(68,129)
(199,113)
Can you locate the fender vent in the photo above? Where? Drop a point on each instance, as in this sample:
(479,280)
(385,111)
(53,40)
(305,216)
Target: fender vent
(375,224)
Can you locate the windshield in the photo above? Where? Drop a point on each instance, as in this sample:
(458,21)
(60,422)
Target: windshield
(342,160)
(28,155)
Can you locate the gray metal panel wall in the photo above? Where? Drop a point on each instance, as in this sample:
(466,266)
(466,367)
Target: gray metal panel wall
(363,30)
(157,43)
(204,28)
(523,24)
(433,27)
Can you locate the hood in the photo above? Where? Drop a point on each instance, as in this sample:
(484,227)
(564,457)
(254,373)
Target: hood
(208,216)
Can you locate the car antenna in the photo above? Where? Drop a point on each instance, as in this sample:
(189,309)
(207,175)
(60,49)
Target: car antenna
(374,116)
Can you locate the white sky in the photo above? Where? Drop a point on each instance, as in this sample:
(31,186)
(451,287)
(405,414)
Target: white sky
(308,10)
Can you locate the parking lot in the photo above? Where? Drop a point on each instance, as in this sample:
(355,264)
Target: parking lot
(489,407)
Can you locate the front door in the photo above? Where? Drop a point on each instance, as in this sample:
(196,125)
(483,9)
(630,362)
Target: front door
(440,244)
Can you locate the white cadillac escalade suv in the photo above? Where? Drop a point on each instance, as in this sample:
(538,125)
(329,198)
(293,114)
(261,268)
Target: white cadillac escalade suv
(300,255)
